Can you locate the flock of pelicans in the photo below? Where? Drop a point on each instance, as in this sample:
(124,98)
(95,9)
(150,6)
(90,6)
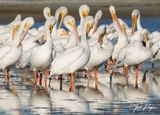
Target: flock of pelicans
(65,50)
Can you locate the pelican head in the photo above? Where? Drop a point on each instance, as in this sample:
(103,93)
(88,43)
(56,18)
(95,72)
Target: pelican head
(114,15)
(90,22)
(70,22)
(84,11)
(135,15)
(47,12)
(98,15)
(60,13)
(28,23)
(15,28)
(97,18)
(49,24)
(24,28)
(113,12)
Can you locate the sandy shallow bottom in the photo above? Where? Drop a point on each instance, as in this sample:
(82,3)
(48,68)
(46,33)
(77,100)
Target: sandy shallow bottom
(112,97)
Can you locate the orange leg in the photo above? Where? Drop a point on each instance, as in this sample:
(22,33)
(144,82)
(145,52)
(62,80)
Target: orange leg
(114,62)
(108,65)
(35,80)
(96,77)
(71,82)
(136,83)
(89,77)
(45,80)
(126,74)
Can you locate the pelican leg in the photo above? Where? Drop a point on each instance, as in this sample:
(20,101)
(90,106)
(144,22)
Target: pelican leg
(35,80)
(89,77)
(45,80)
(96,77)
(126,74)
(108,65)
(61,81)
(71,89)
(40,79)
(114,62)
(136,83)
(8,74)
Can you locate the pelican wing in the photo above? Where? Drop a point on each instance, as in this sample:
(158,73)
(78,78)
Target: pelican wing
(67,58)
(4,51)
(124,52)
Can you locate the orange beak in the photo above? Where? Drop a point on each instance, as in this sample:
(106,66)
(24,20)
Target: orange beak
(115,19)
(134,22)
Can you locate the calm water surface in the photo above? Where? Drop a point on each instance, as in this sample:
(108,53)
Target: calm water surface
(112,96)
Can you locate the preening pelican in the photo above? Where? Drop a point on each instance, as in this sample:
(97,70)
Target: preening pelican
(11,52)
(96,22)
(99,53)
(74,58)
(42,55)
(72,37)
(60,13)
(134,54)
(122,38)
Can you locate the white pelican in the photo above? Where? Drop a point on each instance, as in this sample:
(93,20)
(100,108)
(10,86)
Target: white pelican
(60,13)
(136,22)
(47,12)
(8,36)
(154,41)
(83,12)
(100,52)
(134,54)
(28,44)
(96,22)
(74,58)
(11,52)
(41,56)
(122,38)
(72,36)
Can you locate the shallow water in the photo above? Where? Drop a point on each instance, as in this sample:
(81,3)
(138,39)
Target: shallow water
(111,97)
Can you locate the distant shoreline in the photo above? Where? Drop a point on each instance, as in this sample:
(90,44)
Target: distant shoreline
(9,8)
